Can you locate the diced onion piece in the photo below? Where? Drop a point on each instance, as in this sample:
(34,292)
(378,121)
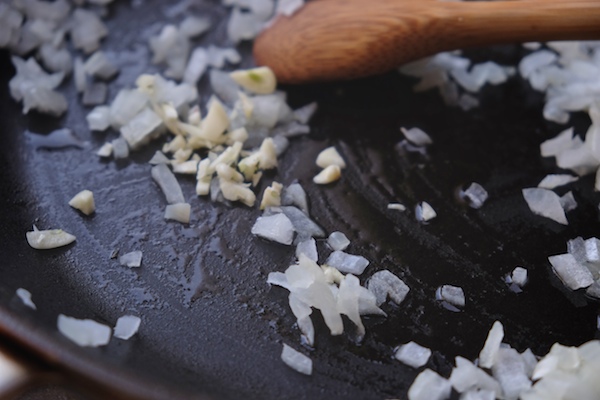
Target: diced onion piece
(519,276)
(142,128)
(563,141)
(271,196)
(466,376)
(84,332)
(330,156)
(338,241)
(99,118)
(384,284)
(417,136)
(453,295)
(127,326)
(571,272)
(179,212)
(120,148)
(259,80)
(424,212)
(475,194)
(330,174)
(347,263)
(296,360)
(84,202)
(555,180)
(132,259)
(308,248)
(294,195)
(412,354)
(25,296)
(488,353)
(545,203)
(48,239)
(168,184)
(277,228)
(268,155)
(158,158)
(429,386)
(510,371)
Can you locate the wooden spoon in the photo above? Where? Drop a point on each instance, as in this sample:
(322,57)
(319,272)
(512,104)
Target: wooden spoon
(345,39)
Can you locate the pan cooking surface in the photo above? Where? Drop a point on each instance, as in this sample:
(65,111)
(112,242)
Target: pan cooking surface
(210,323)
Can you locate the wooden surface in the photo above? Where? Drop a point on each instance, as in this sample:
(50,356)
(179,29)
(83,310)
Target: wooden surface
(345,39)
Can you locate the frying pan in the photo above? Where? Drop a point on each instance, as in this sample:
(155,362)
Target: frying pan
(211,326)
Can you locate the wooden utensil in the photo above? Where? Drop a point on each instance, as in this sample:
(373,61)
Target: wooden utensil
(345,39)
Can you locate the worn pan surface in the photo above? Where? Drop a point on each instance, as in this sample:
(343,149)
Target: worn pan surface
(211,326)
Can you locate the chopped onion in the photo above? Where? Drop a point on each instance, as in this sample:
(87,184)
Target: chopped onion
(338,241)
(132,259)
(571,273)
(510,371)
(429,386)
(466,376)
(545,203)
(384,284)
(296,360)
(294,195)
(127,326)
(490,349)
(451,294)
(347,263)
(84,332)
(120,148)
(412,354)
(555,180)
(168,184)
(277,228)
(475,194)
(179,212)
(48,239)
(25,297)
(84,202)
(308,248)
(424,212)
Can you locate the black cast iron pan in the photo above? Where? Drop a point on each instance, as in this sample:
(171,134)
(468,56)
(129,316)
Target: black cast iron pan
(211,326)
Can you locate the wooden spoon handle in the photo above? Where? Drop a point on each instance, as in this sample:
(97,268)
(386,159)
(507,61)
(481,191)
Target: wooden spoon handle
(345,39)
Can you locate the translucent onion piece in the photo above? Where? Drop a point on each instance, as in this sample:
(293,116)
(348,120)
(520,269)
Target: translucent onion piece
(84,332)
(127,326)
(571,273)
(347,263)
(384,284)
(277,228)
(488,353)
(25,297)
(412,354)
(545,203)
(168,184)
(296,360)
(428,385)
(132,259)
